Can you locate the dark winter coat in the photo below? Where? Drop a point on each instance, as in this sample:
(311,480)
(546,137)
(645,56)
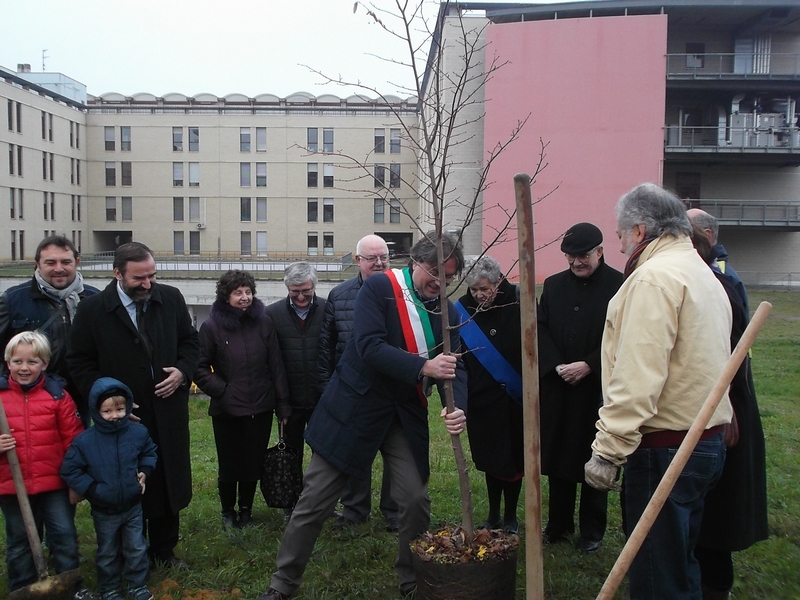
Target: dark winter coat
(337,326)
(571,317)
(25,307)
(300,349)
(103,462)
(494,419)
(43,421)
(374,384)
(105,343)
(735,513)
(241,366)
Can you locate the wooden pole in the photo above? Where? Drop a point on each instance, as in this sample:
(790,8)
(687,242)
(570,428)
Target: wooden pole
(682,456)
(534,573)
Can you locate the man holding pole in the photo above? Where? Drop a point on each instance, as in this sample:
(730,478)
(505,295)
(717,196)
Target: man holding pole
(666,342)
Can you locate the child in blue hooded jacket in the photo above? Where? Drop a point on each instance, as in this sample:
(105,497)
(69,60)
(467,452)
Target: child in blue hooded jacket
(108,464)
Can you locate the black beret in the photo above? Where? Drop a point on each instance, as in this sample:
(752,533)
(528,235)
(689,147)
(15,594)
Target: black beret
(581,238)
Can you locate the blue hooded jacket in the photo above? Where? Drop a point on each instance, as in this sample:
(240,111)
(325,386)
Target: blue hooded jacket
(102,463)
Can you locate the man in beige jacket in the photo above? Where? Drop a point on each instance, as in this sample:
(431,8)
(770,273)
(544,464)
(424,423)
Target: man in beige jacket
(666,341)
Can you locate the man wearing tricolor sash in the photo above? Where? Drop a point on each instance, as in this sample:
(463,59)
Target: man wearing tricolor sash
(374,402)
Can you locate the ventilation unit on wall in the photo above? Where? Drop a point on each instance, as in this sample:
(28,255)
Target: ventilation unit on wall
(201,225)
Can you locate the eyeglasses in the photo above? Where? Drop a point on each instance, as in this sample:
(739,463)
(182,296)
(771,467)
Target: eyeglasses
(305,293)
(372,259)
(448,277)
(571,258)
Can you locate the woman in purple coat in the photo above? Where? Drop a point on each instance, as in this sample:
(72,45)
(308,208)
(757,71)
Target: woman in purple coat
(241,369)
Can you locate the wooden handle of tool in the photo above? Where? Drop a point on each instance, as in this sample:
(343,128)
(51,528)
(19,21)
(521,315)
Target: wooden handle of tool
(682,456)
(24,503)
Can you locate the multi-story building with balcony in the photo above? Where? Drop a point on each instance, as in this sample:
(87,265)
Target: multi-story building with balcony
(699,97)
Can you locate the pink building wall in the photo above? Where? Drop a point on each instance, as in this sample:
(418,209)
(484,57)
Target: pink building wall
(595,91)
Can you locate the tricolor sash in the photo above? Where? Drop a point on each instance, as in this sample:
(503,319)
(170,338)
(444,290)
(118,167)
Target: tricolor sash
(414,319)
(490,358)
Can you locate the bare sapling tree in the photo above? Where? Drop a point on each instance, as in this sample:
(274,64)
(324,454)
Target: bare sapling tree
(450,64)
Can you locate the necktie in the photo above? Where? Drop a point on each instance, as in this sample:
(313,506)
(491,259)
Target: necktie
(140,325)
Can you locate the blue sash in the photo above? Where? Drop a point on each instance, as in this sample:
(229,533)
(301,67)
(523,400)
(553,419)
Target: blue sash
(489,356)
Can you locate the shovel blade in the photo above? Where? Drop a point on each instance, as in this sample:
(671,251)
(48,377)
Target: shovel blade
(57,587)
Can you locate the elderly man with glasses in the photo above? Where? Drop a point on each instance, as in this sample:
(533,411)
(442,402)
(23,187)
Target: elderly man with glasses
(571,316)
(298,320)
(372,256)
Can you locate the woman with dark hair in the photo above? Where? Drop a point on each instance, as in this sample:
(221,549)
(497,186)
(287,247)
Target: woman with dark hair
(242,370)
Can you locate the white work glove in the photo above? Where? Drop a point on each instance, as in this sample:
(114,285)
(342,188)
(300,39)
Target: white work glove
(601,474)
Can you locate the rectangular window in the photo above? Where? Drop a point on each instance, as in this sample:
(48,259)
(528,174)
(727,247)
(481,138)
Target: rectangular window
(126,175)
(261,139)
(44,165)
(19,117)
(244,139)
(327,139)
(52,175)
(44,204)
(394,211)
(78,198)
(127,209)
(177,208)
(13,244)
(380,141)
(12,202)
(312,210)
(695,55)
(394,175)
(22,245)
(11,115)
(194,242)
(246,243)
(327,244)
(111,174)
(125,138)
(261,243)
(44,125)
(177,174)
(72,209)
(312,134)
(194,139)
(177,243)
(327,210)
(78,145)
(377,210)
(11,159)
(19,171)
(21,204)
(111,208)
(71,134)
(194,209)
(394,141)
(312,174)
(261,210)
(194,174)
(52,205)
(379,175)
(245,209)
(261,174)
(72,171)
(177,139)
(327,175)
(50,127)
(109,137)
(313,243)
(77,171)
(244,174)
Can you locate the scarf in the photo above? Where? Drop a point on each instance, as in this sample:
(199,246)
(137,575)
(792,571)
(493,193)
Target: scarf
(634,257)
(70,295)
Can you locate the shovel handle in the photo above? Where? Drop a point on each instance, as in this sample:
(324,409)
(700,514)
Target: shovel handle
(24,503)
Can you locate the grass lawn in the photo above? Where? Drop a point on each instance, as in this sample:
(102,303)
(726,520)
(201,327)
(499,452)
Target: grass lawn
(357,564)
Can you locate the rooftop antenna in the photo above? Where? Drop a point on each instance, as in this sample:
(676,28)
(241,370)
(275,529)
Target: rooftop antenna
(44,55)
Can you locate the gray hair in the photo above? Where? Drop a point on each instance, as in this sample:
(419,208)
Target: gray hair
(659,211)
(706,221)
(485,267)
(300,272)
(424,251)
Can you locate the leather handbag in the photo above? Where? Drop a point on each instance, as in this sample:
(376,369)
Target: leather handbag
(281,476)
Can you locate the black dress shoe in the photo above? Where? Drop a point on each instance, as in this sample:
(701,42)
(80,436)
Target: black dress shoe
(589,546)
(392,526)
(489,524)
(510,527)
(553,538)
(273,594)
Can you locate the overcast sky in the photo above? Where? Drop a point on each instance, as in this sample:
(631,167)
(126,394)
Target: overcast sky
(192,46)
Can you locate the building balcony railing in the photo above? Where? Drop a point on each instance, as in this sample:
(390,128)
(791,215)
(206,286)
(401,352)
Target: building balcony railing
(733,66)
(753,213)
(734,140)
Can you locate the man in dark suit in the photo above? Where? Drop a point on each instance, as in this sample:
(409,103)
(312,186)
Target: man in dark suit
(374,401)
(140,332)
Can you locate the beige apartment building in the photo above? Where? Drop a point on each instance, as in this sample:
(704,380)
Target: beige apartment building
(228,177)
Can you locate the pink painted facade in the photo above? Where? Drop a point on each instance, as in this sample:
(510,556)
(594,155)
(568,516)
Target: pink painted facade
(595,91)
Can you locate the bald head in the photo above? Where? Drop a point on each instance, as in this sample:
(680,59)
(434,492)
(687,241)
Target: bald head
(706,222)
(372,255)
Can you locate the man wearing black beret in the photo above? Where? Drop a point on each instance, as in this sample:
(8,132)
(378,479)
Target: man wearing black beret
(571,318)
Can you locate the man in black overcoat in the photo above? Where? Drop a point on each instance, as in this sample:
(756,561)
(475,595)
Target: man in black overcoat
(140,332)
(571,318)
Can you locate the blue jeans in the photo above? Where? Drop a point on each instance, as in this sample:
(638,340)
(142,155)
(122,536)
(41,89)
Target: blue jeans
(121,550)
(52,513)
(665,567)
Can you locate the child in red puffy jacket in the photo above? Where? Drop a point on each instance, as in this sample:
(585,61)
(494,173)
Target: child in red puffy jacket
(43,420)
